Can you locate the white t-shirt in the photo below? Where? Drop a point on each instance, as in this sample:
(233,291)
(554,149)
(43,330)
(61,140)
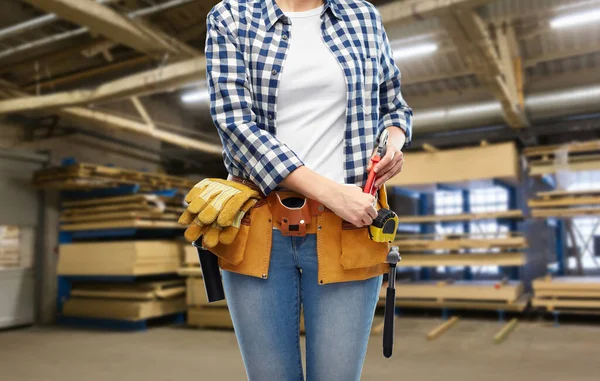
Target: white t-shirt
(312,98)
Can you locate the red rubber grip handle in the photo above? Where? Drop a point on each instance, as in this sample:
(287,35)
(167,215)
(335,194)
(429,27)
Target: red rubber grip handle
(371,178)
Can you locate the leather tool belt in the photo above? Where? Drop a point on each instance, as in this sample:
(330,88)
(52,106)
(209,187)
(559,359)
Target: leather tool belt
(294,215)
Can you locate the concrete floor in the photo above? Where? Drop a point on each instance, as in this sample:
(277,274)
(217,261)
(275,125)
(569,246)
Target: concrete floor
(535,351)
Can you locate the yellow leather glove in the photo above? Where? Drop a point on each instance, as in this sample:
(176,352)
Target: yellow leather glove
(215,211)
(216,200)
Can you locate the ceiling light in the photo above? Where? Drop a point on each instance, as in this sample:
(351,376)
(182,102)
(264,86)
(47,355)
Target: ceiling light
(414,51)
(198,96)
(575,19)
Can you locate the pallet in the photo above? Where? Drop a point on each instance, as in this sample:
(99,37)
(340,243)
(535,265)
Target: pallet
(120,325)
(507,292)
(142,290)
(471,259)
(508,214)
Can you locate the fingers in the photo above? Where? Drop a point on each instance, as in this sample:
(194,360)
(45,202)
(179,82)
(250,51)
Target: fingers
(391,172)
(385,160)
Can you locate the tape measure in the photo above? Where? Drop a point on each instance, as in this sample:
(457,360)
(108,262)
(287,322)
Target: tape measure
(384,226)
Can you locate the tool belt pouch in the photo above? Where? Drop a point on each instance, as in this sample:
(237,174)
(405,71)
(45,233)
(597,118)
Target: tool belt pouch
(292,214)
(249,253)
(357,248)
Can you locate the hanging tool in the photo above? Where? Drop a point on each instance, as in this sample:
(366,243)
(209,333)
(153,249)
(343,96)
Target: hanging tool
(393,258)
(385,225)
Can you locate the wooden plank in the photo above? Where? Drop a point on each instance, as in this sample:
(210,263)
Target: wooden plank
(518,306)
(592,145)
(587,283)
(461,290)
(118,224)
(196,294)
(552,304)
(461,243)
(122,309)
(409,11)
(119,258)
(591,163)
(439,330)
(565,201)
(190,255)
(209,318)
(110,200)
(434,260)
(561,193)
(508,214)
(496,161)
(565,212)
(149,82)
(146,291)
(120,215)
(131,207)
(104,21)
(190,271)
(568,294)
(506,331)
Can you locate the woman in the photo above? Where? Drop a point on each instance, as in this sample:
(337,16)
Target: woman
(300,91)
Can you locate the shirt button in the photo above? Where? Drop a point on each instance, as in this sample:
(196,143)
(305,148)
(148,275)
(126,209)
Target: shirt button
(285,37)
(274,72)
(270,116)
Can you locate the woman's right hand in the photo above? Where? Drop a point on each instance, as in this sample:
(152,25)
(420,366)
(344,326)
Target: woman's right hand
(351,204)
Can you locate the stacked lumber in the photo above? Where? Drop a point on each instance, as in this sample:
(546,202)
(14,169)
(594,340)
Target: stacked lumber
(566,203)
(130,258)
(201,313)
(82,176)
(502,249)
(580,156)
(126,301)
(10,246)
(483,295)
(577,294)
(133,211)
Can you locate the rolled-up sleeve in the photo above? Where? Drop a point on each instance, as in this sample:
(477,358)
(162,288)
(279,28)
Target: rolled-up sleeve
(393,110)
(259,154)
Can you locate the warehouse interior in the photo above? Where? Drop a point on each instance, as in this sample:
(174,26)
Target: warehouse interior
(105,125)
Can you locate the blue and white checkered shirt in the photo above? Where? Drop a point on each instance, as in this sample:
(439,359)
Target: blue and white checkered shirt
(246,47)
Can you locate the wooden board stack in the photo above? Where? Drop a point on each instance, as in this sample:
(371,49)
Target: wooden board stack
(89,176)
(131,258)
(566,204)
(582,156)
(575,294)
(502,249)
(484,295)
(135,211)
(126,301)
(200,313)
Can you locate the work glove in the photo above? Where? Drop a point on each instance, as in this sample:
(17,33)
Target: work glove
(215,211)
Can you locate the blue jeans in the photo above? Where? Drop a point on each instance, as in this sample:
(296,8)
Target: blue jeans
(266,317)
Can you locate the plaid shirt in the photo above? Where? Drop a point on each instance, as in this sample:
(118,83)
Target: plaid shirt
(247,42)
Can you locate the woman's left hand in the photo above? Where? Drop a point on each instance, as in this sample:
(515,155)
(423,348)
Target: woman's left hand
(391,164)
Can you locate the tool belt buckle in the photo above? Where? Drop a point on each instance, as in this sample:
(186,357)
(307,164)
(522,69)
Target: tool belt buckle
(293,220)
